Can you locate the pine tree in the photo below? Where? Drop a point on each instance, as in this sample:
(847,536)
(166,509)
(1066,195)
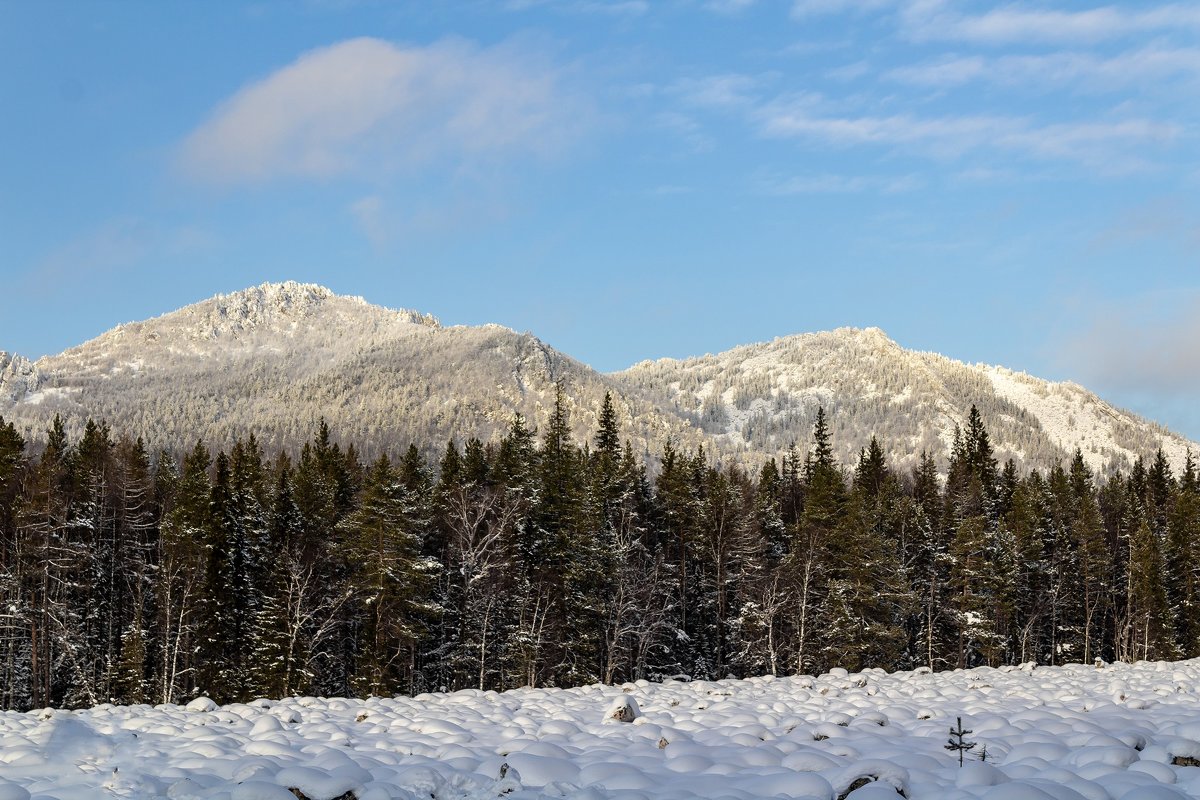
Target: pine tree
(285,626)
(137,531)
(12,457)
(218,675)
(1093,556)
(927,560)
(1144,633)
(1183,561)
(824,495)
(323,489)
(93,590)
(382,545)
(862,613)
(14,663)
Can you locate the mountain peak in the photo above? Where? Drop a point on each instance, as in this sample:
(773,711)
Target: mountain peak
(18,376)
(260,304)
(288,306)
(283,294)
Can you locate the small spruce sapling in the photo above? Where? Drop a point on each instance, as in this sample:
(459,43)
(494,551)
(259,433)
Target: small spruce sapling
(958,741)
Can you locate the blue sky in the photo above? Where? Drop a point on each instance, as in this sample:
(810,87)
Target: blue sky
(1013,183)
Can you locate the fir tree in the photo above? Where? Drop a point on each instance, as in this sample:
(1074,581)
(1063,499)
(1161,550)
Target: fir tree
(382,545)
(1183,562)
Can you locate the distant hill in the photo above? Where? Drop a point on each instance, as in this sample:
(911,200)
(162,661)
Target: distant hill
(757,398)
(275,358)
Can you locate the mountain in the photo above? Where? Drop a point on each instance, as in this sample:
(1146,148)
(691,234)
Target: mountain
(275,358)
(760,397)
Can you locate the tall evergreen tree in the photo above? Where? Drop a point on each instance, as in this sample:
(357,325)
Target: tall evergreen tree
(1183,562)
(382,545)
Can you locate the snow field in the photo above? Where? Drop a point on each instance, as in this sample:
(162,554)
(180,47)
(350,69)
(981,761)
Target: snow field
(1123,732)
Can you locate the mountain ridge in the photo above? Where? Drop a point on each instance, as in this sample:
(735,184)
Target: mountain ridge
(275,358)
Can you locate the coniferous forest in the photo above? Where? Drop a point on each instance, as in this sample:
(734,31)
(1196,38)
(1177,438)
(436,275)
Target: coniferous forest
(136,577)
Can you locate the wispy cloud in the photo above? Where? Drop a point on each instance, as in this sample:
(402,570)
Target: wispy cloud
(388,221)
(719,92)
(1166,220)
(634,8)
(1015,23)
(840,184)
(1079,70)
(116,244)
(803,9)
(366,106)
(687,129)
(1113,145)
(1146,345)
(728,6)
(1027,24)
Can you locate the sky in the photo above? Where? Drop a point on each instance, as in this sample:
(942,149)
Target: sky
(1013,183)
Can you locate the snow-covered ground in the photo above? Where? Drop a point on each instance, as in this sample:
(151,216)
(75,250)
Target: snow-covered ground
(1123,731)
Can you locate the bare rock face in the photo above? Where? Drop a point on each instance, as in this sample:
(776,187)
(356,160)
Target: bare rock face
(18,377)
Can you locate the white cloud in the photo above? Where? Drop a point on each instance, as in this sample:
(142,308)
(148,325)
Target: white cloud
(802,9)
(849,72)
(632,8)
(945,73)
(1065,69)
(717,91)
(1016,23)
(1025,24)
(841,184)
(728,6)
(366,106)
(1110,145)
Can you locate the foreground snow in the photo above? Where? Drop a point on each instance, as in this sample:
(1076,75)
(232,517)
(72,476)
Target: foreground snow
(1124,732)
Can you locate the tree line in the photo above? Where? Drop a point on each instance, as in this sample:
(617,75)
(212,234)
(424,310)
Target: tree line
(536,560)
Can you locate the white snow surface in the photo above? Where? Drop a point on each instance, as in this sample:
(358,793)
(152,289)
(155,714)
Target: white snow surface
(1121,732)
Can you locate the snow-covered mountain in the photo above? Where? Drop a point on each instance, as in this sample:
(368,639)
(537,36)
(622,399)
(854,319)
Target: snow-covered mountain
(759,397)
(275,358)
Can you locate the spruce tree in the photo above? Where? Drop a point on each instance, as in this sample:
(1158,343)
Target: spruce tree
(181,571)
(1183,562)
(382,545)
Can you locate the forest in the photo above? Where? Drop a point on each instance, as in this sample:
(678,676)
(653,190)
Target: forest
(130,577)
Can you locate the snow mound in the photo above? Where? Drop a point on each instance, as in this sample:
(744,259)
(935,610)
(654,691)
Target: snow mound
(1056,736)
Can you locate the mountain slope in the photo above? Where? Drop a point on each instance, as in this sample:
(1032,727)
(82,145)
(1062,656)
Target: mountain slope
(275,358)
(760,397)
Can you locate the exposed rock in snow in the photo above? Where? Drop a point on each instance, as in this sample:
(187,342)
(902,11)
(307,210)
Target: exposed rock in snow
(622,709)
(18,377)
